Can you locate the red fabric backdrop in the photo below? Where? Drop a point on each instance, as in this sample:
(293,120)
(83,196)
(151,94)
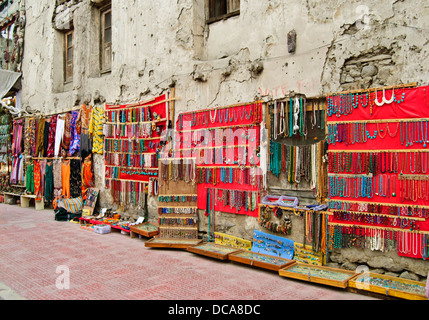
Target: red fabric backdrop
(159,106)
(415,105)
(244,118)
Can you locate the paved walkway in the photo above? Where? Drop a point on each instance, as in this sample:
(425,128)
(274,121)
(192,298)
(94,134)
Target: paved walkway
(36,252)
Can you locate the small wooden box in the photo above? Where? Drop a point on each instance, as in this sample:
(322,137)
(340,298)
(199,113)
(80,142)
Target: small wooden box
(390,286)
(318,274)
(260,260)
(213,250)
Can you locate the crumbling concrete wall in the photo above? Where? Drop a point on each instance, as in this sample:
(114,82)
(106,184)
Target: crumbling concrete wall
(158,44)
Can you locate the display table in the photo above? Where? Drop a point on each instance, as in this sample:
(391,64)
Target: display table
(145,229)
(171,243)
(389,286)
(260,260)
(213,250)
(318,274)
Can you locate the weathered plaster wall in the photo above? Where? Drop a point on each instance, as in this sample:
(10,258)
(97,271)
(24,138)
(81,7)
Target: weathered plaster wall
(340,45)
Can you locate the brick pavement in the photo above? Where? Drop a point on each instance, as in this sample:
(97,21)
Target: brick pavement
(115,267)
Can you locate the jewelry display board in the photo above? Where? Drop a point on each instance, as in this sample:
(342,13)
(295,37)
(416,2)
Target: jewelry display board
(272,245)
(390,286)
(260,260)
(318,274)
(297,131)
(225,143)
(378,159)
(232,241)
(177,202)
(133,134)
(213,250)
(306,254)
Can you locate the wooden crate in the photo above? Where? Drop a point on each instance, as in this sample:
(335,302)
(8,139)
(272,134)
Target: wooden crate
(171,243)
(145,229)
(397,287)
(318,274)
(260,260)
(213,250)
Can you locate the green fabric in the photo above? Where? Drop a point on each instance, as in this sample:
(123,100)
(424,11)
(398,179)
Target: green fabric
(49,182)
(30,178)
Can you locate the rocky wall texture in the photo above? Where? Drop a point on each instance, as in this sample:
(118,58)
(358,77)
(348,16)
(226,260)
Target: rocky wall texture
(159,44)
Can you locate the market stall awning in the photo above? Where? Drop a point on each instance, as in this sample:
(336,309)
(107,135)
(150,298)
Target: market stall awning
(9,81)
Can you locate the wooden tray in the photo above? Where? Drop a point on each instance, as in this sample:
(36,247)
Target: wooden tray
(213,250)
(171,243)
(145,229)
(318,274)
(260,260)
(391,286)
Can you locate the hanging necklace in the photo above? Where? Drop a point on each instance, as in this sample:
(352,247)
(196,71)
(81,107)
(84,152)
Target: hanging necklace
(213,118)
(380,104)
(275,120)
(282,118)
(392,98)
(380,131)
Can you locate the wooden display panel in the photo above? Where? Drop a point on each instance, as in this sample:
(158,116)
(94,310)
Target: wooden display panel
(145,229)
(393,286)
(213,250)
(318,274)
(171,243)
(260,260)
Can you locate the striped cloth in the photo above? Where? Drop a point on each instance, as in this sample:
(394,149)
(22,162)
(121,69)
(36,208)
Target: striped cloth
(71,205)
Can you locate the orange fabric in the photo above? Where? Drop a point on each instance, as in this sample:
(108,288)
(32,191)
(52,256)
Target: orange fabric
(87,176)
(65,178)
(37,179)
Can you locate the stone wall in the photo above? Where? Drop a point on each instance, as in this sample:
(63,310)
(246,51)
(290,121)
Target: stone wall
(160,44)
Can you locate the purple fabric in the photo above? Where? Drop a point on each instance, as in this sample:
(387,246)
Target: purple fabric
(75,136)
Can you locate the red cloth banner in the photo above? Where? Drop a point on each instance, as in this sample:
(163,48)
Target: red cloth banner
(393,124)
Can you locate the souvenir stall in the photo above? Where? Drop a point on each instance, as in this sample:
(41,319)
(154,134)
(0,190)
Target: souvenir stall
(225,143)
(133,139)
(5,151)
(177,205)
(51,156)
(293,209)
(377,184)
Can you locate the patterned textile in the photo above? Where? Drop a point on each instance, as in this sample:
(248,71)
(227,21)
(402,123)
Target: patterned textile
(96,129)
(75,136)
(40,135)
(65,143)
(42,176)
(84,117)
(75,178)
(58,186)
(70,205)
(37,180)
(17,137)
(83,122)
(51,137)
(29,135)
